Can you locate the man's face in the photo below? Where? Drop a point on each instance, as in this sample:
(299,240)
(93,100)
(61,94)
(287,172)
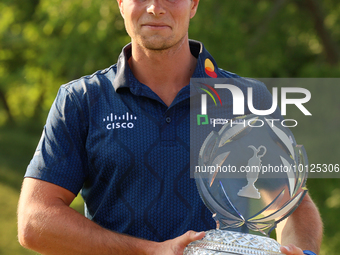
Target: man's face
(157,24)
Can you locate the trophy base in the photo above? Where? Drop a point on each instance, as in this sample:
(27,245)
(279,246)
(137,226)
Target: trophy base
(222,242)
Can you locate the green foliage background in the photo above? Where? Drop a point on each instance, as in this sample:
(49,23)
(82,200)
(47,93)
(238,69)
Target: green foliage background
(45,43)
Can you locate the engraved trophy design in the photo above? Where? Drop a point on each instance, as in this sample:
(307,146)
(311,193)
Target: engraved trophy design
(250,190)
(252,175)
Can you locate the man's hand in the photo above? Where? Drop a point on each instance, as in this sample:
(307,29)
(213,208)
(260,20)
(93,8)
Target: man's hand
(291,249)
(303,228)
(177,245)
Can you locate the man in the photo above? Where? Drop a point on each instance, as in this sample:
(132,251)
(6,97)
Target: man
(107,133)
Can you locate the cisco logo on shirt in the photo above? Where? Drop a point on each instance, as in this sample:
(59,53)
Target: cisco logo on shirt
(123,121)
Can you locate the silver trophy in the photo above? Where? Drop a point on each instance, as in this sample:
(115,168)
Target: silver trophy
(251,175)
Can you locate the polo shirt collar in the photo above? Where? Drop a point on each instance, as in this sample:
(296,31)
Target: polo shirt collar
(206,66)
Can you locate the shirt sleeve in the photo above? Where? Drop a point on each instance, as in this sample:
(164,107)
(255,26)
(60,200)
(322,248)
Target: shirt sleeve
(60,157)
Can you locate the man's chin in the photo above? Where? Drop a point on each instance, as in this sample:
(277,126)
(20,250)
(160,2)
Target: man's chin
(158,45)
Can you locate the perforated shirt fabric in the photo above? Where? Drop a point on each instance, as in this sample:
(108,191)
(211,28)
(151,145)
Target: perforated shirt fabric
(113,139)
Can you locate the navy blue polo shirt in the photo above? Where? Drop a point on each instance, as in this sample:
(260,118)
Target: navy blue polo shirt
(112,138)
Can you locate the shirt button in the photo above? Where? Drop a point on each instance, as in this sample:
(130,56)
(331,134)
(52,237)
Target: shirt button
(168,119)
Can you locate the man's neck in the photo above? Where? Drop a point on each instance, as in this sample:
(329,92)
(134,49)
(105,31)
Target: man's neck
(164,72)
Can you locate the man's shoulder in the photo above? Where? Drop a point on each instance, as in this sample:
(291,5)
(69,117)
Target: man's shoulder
(99,80)
(261,97)
(228,74)
(243,82)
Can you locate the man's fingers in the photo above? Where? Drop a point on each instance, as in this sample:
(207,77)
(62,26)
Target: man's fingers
(183,240)
(291,249)
(197,235)
(191,236)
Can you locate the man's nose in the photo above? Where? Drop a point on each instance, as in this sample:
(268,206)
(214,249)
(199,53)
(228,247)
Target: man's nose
(156,7)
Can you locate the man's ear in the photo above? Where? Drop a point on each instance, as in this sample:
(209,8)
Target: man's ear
(120,5)
(194,5)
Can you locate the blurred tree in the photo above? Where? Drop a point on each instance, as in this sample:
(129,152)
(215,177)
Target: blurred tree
(267,38)
(331,50)
(46,43)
